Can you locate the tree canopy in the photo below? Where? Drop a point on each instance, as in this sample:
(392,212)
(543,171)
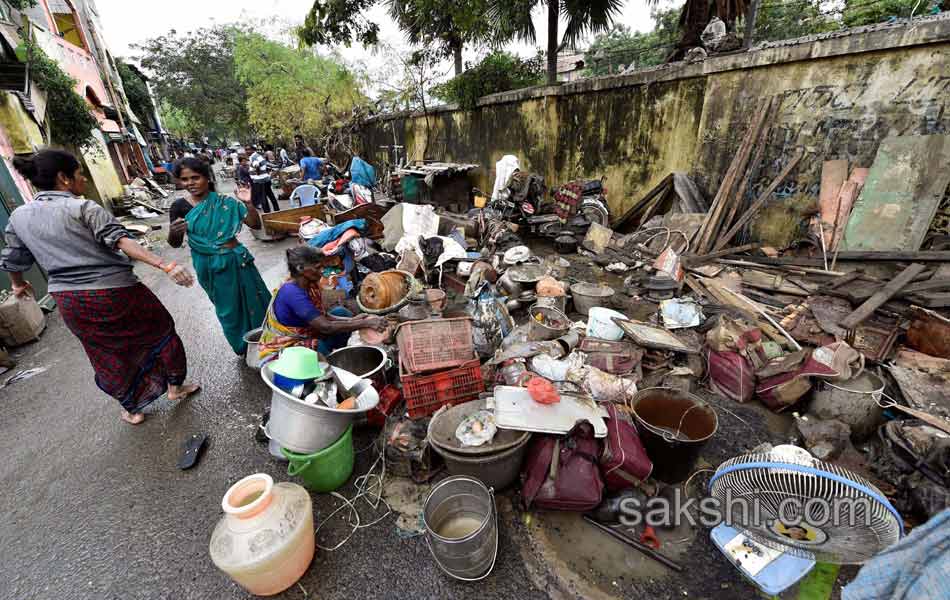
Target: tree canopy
(498,72)
(331,22)
(583,18)
(292,90)
(446,25)
(443,27)
(620,48)
(195,73)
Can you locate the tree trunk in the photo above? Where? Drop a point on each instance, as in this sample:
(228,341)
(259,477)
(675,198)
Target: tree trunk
(553,6)
(457,55)
(750,18)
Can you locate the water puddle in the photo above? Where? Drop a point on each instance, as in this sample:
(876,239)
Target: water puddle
(595,564)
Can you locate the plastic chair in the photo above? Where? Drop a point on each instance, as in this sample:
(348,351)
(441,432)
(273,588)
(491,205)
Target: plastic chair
(304,195)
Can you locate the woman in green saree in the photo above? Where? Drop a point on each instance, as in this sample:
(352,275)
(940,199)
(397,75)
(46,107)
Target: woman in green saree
(225,268)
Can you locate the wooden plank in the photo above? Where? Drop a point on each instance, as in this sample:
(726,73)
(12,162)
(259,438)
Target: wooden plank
(778,283)
(747,172)
(714,221)
(863,256)
(886,293)
(692,260)
(931,285)
(618,225)
(931,300)
(840,281)
(289,220)
(903,190)
(834,173)
(912,359)
(762,199)
(697,288)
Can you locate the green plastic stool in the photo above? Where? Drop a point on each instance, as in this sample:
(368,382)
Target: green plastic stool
(326,470)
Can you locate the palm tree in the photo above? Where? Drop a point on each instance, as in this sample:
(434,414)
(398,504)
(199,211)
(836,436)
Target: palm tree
(446,24)
(592,16)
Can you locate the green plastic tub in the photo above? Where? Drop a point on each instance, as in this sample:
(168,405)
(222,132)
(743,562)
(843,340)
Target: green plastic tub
(326,470)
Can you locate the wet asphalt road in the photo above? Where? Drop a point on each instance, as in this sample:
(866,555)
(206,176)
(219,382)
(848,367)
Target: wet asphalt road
(95,508)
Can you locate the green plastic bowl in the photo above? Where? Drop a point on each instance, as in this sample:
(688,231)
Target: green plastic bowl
(326,470)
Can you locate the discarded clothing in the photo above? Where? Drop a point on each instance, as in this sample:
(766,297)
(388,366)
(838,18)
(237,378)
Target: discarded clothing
(333,233)
(228,275)
(917,567)
(340,243)
(130,340)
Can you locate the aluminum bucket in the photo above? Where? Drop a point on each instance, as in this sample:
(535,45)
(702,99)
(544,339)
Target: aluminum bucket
(253,355)
(461,527)
(304,428)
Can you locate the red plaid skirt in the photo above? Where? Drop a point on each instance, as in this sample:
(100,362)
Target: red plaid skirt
(130,340)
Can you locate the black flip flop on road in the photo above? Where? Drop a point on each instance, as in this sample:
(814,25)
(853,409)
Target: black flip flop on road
(191,450)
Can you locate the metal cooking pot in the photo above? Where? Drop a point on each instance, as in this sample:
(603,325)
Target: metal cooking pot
(512,288)
(565,244)
(368,362)
(252,356)
(301,427)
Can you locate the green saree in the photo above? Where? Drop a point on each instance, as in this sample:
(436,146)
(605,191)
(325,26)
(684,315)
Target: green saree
(228,275)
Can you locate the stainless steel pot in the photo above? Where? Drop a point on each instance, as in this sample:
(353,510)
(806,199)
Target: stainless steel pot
(253,340)
(511,287)
(301,427)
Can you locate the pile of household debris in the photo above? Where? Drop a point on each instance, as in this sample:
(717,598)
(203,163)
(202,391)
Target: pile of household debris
(512,360)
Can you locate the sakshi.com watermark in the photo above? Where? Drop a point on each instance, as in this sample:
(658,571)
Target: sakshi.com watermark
(792,516)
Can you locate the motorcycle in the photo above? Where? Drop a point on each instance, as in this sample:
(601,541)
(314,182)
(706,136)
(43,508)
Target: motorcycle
(571,208)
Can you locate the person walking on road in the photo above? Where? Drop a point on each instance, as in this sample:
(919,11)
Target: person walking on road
(127,333)
(225,268)
(262,190)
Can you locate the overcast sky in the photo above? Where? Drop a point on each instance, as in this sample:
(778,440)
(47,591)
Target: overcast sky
(126,22)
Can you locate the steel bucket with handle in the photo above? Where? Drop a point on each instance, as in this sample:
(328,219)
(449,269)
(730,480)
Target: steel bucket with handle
(461,527)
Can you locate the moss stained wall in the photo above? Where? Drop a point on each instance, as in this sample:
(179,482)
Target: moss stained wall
(634,130)
(835,108)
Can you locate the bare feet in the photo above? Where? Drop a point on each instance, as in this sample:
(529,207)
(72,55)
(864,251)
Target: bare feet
(132,418)
(180,392)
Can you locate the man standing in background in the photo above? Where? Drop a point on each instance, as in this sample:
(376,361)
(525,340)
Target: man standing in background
(261,189)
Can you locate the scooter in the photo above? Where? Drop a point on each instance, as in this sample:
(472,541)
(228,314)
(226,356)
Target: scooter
(527,205)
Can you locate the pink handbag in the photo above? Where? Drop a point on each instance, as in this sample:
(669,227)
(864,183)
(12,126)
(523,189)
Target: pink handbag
(624,462)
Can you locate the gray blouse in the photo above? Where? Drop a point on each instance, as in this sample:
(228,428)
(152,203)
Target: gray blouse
(73,239)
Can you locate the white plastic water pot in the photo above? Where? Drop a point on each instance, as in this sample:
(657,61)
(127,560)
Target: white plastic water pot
(600,324)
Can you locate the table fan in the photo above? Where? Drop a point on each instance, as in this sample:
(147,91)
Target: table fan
(808,511)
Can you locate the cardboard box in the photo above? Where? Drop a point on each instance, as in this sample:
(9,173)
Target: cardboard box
(21,321)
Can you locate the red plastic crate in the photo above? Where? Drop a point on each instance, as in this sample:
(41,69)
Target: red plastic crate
(389,398)
(425,394)
(435,344)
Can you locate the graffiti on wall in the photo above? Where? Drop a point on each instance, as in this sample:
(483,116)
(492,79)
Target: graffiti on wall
(847,121)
